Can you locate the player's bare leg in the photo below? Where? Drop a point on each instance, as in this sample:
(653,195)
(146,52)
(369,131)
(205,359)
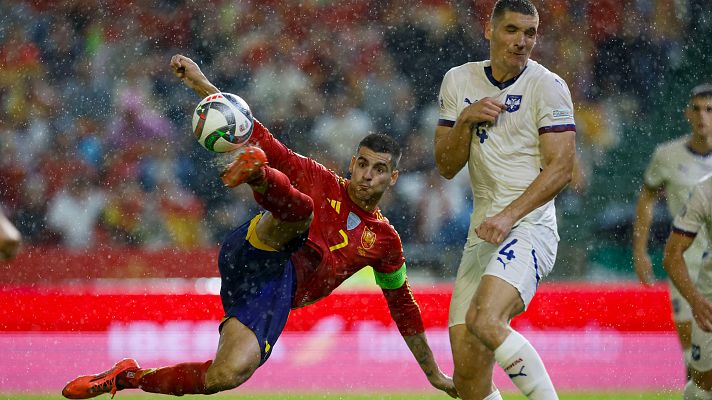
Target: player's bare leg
(473,365)
(684,334)
(237,357)
(495,303)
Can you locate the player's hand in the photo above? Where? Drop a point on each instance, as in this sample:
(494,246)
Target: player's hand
(702,312)
(443,382)
(643,268)
(484,110)
(188,71)
(495,228)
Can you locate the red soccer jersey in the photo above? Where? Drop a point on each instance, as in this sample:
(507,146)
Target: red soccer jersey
(343,238)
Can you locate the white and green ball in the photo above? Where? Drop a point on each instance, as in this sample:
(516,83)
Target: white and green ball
(222,122)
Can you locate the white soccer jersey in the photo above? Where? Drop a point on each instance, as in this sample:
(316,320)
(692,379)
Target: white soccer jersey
(504,157)
(677,169)
(695,217)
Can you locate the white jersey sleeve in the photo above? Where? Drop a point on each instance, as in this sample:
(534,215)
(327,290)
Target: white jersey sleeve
(654,176)
(447,100)
(556,110)
(696,213)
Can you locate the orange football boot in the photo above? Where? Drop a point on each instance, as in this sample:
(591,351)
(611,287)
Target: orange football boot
(88,386)
(246,167)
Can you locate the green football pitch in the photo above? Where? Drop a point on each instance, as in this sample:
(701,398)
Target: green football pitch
(366,396)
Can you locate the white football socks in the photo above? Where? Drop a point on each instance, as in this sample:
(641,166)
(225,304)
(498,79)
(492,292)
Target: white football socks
(524,366)
(693,392)
(494,395)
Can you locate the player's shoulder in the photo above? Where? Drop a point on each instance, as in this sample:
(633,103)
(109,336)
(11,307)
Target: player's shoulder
(672,146)
(468,68)
(543,75)
(385,225)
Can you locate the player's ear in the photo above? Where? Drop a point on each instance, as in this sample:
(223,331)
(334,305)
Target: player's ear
(688,112)
(394,177)
(488,30)
(351,164)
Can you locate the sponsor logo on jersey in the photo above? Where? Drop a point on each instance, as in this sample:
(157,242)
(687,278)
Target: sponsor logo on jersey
(561,114)
(513,102)
(335,204)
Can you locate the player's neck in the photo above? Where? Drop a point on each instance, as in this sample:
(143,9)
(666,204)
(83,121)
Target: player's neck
(700,144)
(502,74)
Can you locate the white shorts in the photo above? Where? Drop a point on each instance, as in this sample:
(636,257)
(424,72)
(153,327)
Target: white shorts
(525,257)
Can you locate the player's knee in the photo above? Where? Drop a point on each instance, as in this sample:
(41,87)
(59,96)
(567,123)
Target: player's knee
(225,377)
(485,326)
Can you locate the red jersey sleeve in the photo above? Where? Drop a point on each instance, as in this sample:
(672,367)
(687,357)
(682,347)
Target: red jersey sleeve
(404,310)
(401,303)
(302,171)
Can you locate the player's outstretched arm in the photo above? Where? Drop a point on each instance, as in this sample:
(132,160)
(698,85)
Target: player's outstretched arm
(9,239)
(418,345)
(188,71)
(641,229)
(675,266)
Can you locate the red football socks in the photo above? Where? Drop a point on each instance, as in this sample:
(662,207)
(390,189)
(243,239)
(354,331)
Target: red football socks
(281,199)
(176,380)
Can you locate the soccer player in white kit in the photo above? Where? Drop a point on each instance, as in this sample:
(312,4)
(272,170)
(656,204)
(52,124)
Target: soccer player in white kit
(676,166)
(695,217)
(511,120)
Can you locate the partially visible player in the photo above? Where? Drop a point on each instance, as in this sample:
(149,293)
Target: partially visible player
(319,229)
(694,218)
(511,121)
(10,239)
(676,166)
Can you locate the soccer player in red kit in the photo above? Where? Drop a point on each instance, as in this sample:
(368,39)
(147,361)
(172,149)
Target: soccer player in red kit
(318,230)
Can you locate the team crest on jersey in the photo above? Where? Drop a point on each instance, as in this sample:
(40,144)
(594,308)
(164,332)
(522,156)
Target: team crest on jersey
(368,238)
(513,102)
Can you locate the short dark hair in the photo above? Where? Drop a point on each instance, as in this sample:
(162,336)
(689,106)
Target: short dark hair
(525,7)
(703,90)
(381,143)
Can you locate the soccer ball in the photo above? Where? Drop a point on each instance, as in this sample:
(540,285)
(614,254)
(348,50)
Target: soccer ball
(222,122)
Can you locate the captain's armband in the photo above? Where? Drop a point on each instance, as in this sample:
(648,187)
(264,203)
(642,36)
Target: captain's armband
(391,280)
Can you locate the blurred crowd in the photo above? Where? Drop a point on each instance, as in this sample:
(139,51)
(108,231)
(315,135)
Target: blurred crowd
(95,143)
